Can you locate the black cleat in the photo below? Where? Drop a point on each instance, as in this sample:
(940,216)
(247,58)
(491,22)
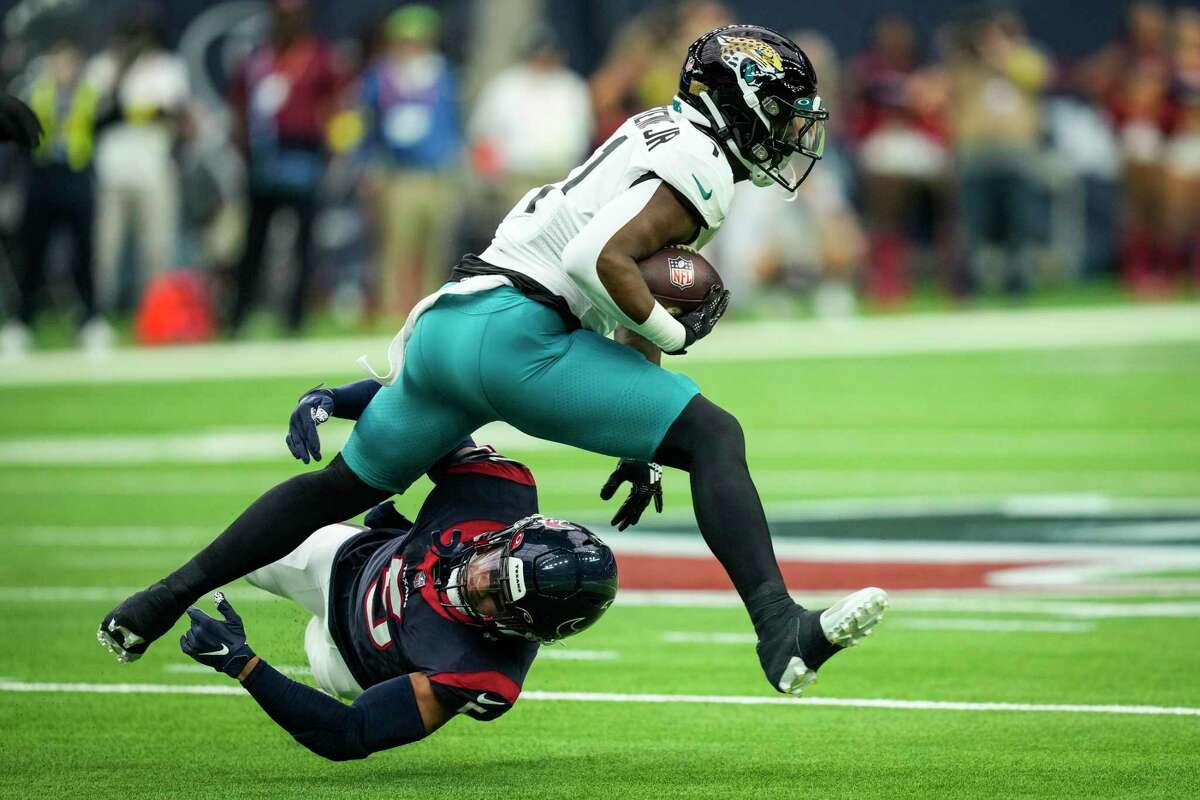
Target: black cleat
(133,626)
(794,645)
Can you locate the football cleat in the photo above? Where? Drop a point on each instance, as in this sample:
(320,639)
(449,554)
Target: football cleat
(796,646)
(131,627)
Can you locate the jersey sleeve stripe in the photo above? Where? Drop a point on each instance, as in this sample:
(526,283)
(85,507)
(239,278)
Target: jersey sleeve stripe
(489,681)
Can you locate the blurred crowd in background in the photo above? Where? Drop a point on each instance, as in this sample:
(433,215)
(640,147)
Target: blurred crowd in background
(345,177)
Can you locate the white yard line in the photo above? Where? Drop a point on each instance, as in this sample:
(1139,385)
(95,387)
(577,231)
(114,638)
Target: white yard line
(567,654)
(916,623)
(951,600)
(226,445)
(715,637)
(104,537)
(769,479)
(200,669)
(1086,560)
(979,601)
(959,331)
(614,697)
(991,625)
(259,443)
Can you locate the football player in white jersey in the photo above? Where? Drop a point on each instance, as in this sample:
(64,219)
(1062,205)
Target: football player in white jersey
(520,334)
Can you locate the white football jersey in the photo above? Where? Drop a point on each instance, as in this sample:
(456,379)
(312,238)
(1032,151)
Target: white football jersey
(658,142)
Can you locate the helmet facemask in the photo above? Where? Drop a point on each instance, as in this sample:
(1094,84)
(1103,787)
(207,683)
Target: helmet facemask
(485,583)
(792,129)
(540,580)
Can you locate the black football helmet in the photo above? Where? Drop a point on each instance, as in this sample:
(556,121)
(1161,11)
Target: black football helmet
(539,579)
(757,92)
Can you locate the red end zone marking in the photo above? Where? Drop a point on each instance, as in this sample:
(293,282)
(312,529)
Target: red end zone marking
(640,571)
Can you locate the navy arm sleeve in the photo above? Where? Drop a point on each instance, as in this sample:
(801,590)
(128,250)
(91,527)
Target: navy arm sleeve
(386,715)
(351,400)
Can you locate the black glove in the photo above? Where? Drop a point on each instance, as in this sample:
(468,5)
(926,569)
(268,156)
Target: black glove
(646,480)
(314,407)
(18,124)
(385,515)
(700,321)
(217,644)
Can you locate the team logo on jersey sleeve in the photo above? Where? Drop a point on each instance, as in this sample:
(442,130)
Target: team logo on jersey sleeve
(683,274)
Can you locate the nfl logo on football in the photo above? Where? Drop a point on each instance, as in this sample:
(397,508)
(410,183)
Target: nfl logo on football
(683,274)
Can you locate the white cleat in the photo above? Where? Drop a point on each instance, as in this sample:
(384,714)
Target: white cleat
(114,646)
(796,676)
(845,623)
(851,619)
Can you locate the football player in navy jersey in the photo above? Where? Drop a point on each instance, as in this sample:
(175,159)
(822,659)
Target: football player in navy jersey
(417,622)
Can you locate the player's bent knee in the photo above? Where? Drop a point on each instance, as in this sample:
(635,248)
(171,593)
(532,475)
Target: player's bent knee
(702,431)
(725,437)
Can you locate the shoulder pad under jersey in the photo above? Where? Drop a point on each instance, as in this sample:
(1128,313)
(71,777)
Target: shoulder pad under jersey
(691,163)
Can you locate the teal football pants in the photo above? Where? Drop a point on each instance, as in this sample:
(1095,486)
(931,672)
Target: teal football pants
(497,355)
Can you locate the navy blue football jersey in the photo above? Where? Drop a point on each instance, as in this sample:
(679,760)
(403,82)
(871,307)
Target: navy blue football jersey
(385,615)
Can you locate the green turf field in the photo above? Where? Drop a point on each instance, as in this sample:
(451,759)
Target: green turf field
(139,476)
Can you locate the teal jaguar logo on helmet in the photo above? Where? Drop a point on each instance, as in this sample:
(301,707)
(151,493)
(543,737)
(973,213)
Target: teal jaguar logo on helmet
(752,59)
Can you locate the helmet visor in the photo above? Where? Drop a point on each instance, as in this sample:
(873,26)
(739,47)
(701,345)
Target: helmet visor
(806,135)
(485,583)
(801,131)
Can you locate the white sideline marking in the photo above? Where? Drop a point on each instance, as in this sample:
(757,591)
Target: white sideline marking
(615,697)
(1003,625)
(200,669)
(717,637)
(259,443)
(264,444)
(564,654)
(226,445)
(915,601)
(782,480)
(932,623)
(957,331)
(849,702)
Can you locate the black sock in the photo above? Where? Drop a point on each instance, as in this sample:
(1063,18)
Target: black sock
(708,443)
(273,526)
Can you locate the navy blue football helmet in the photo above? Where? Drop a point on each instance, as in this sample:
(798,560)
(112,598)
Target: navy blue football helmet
(539,579)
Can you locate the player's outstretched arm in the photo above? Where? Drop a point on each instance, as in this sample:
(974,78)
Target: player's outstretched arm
(319,404)
(393,713)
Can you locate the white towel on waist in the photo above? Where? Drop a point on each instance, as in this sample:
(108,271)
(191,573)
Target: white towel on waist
(395,352)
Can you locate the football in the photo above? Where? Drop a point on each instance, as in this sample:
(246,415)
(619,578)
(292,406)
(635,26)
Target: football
(679,277)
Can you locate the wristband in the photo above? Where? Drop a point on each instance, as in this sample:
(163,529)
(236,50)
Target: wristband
(663,330)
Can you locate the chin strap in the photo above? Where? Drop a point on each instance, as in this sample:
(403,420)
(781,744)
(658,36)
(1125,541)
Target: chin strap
(715,121)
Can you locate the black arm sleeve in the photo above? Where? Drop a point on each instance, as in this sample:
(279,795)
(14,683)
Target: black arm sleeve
(384,716)
(351,400)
